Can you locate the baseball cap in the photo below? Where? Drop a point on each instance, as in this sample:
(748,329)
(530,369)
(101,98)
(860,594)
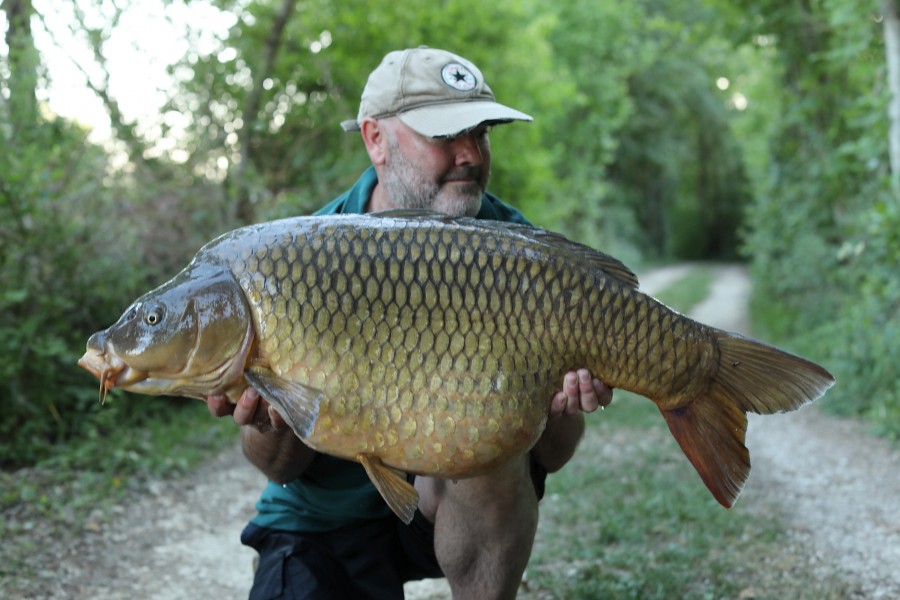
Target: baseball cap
(434,92)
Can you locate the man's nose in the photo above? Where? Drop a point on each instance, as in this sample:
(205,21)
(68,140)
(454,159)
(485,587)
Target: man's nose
(467,150)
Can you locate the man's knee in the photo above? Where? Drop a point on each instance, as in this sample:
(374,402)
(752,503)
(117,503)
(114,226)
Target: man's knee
(484,529)
(496,512)
(498,495)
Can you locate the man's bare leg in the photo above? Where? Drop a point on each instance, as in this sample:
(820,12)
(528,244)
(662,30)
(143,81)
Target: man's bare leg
(484,529)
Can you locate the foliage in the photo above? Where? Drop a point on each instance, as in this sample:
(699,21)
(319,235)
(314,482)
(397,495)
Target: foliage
(77,243)
(822,228)
(51,276)
(594,52)
(861,334)
(72,255)
(678,165)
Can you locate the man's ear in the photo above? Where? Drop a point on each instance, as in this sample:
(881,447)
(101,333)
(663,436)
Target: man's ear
(375,139)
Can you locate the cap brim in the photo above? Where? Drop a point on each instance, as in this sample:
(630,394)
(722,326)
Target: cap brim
(447,120)
(350,125)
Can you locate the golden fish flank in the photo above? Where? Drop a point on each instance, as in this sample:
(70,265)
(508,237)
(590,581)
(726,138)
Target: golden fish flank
(399,360)
(430,344)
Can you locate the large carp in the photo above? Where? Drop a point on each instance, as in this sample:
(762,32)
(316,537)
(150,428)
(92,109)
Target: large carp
(432,345)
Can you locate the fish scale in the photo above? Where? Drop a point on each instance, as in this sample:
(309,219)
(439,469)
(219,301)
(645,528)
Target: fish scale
(403,298)
(429,344)
(405,320)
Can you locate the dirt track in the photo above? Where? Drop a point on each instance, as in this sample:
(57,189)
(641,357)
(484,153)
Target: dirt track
(837,488)
(838,491)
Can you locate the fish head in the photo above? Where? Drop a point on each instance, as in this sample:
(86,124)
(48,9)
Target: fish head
(189,337)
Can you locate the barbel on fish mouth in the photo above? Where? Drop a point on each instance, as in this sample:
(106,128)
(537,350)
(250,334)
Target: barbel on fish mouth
(416,342)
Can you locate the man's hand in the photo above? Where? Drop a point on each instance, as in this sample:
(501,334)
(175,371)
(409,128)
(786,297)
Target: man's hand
(580,392)
(268,442)
(251,409)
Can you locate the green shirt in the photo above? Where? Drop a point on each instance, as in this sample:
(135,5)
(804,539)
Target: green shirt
(333,493)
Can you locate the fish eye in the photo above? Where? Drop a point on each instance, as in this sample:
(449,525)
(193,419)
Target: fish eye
(153,317)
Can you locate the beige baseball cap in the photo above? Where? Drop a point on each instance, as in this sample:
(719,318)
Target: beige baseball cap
(435,92)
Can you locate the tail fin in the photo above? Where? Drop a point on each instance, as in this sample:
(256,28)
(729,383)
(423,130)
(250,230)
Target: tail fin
(752,377)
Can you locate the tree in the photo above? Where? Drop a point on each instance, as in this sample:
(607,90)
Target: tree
(646,155)
(891,14)
(823,228)
(251,110)
(23,64)
(269,119)
(71,257)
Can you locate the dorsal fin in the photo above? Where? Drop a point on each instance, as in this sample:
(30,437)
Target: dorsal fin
(413,213)
(608,264)
(555,242)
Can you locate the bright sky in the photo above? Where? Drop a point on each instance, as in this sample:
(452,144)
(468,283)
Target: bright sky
(149,37)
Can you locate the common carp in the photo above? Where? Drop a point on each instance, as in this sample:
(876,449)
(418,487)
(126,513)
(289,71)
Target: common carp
(427,344)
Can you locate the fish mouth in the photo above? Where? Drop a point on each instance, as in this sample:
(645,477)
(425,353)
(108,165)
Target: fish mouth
(111,370)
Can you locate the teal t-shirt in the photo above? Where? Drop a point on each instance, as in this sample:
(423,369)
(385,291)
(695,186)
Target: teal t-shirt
(332,492)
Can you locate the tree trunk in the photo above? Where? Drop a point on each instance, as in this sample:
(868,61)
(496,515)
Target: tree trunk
(23,64)
(891,14)
(244,210)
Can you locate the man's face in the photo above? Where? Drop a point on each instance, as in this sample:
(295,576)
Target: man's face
(448,175)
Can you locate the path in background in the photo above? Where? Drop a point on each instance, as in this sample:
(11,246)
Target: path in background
(180,541)
(838,489)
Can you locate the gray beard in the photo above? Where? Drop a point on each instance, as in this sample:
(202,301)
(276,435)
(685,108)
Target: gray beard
(408,188)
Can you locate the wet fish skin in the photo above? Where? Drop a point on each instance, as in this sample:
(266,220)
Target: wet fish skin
(431,344)
(188,337)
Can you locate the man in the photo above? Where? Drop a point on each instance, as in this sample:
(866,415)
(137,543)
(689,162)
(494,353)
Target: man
(322,530)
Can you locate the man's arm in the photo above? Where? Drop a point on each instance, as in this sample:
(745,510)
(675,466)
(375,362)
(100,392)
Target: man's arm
(581,393)
(267,441)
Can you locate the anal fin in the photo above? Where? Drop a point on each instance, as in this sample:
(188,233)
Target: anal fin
(399,494)
(711,434)
(297,404)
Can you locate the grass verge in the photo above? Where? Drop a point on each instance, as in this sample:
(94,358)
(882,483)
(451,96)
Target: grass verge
(685,293)
(629,518)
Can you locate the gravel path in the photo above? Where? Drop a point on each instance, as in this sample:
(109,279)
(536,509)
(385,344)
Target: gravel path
(178,542)
(838,491)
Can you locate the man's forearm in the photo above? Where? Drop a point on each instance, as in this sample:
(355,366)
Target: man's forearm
(558,442)
(280,455)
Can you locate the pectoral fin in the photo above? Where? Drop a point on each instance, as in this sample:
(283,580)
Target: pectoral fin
(396,491)
(297,404)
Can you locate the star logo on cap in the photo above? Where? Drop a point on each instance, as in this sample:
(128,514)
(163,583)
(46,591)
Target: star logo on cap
(458,77)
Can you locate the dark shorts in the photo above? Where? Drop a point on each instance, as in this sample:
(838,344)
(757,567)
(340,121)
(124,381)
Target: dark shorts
(367,560)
